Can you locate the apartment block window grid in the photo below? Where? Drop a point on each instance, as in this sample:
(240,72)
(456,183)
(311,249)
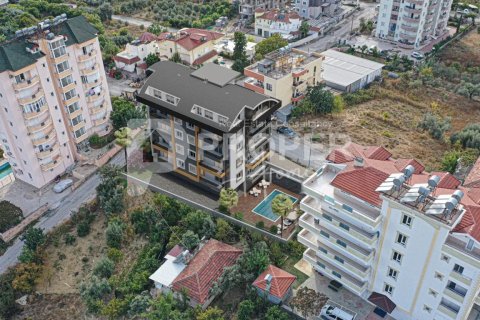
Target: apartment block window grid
(407,220)
(401,239)
(388,288)
(396,256)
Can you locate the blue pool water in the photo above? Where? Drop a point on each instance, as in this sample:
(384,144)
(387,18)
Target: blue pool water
(264,208)
(5,170)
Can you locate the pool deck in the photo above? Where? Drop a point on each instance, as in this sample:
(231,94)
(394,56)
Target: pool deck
(247,202)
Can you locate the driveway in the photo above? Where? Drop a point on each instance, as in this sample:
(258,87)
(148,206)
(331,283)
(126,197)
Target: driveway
(70,203)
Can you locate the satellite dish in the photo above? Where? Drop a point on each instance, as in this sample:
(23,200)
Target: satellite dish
(433,181)
(458,194)
(408,171)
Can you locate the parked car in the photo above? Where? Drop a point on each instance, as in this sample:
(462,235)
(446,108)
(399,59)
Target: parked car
(416,55)
(330,312)
(286,131)
(62,185)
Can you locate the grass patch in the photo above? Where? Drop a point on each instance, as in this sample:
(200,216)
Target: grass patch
(289,266)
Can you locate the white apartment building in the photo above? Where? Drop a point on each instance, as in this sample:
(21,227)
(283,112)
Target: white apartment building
(412,23)
(313,9)
(132,59)
(275,21)
(247,7)
(385,228)
(53,96)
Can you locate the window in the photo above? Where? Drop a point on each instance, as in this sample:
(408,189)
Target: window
(239,162)
(470,244)
(341,243)
(239,176)
(407,220)
(73,107)
(192,168)
(427,308)
(192,154)
(66,81)
(179,149)
(198,110)
(336,274)
(344,226)
(179,134)
(222,120)
(240,146)
(78,119)
(401,239)
(180,164)
(432,292)
(339,259)
(269,86)
(170,99)
(397,256)
(58,48)
(178,121)
(392,273)
(327,217)
(323,250)
(191,139)
(80,132)
(388,289)
(323,233)
(458,268)
(63,66)
(209,114)
(190,125)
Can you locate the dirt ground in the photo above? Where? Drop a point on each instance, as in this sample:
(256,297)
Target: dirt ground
(53,307)
(391,121)
(466,51)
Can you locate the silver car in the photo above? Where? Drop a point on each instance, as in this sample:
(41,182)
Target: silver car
(62,185)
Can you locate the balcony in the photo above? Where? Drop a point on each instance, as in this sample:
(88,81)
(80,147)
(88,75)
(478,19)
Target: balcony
(75,114)
(100,122)
(65,73)
(32,115)
(95,97)
(26,83)
(212,168)
(85,57)
(68,87)
(410,10)
(34,97)
(298,72)
(93,83)
(46,138)
(257,141)
(100,115)
(96,110)
(454,294)
(447,310)
(297,97)
(254,85)
(254,162)
(44,127)
(299,85)
(90,70)
(49,166)
(409,19)
(53,151)
(408,28)
(416,2)
(461,278)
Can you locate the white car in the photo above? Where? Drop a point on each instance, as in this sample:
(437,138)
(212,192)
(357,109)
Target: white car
(330,312)
(62,185)
(416,55)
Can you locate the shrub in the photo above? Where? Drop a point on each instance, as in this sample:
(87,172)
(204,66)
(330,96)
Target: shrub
(260,225)
(434,125)
(246,309)
(104,268)
(10,215)
(358,97)
(69,239)
(273,229)
(190,240)
(469,137)
(114,234)
(114,254)
(83,229)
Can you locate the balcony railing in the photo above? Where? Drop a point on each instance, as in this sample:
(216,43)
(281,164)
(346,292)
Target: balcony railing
(48,166)
(26,83)
(34,97)
(454,294)
(447,310)
(50,137)
(54,150)
(31,115)
(461,278)
(87,56)
(90,70)
(44,127)
(100,122)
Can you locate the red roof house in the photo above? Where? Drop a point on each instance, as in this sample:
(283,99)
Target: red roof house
(204,269)
(276,282)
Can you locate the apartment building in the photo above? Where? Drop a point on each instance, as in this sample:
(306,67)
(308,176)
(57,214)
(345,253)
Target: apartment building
(195,46)
(405,239)
(132,59)
(275,21)
(247,7)
(53,96)
(285,74)
(412,23)
(313,9)
(208,129)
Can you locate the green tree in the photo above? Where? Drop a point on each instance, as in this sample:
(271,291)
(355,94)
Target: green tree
(94,290)
(125,114)
(225,231)
(469,137)
(228,198)
(33,238)
(246,310)
(190,240)
(200,223)
(239,52)
(7,294)
(114,233)
(308,301)
(152,58)
(104,268)
(435,125)
(468,89)
(123,138)
(304,28)
(338,104)
(254,261)
(270,44)
(176,57)
(111,190)
(282,205)
(275,313)
(105,11)
(10,216)
(211,313)
(156,29)
(321,98)
(25,276)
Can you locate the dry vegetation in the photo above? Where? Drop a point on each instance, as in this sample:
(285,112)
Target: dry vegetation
(466,51)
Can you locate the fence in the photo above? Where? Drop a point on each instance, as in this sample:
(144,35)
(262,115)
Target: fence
(199,206)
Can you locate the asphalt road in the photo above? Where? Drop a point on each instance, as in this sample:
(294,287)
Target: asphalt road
(69,204)
(367,11)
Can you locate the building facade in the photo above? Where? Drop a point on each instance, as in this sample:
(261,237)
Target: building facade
(208,129)
(285,74)
(53,96)
(412,23)
(275,21)
(247,7)
(385,227)
(132,59)
(313,9)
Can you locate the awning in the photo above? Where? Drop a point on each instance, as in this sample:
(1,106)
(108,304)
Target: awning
(382,301)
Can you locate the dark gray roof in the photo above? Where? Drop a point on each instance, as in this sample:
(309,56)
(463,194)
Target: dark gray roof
(14,55)
(216,74)
(176,79)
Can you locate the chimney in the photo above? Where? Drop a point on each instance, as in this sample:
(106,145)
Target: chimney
(358,162)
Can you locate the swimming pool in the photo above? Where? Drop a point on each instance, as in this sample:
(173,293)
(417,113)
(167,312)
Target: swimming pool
(264,208)
(5,170)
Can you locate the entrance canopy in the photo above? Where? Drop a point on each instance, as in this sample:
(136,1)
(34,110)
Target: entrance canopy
(382,301)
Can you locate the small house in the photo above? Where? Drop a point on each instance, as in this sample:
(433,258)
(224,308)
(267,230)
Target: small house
(275,284)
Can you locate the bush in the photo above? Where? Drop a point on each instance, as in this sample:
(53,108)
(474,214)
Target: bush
(69,239)
(246,309)
(83,229)
(104,268)
(274,229)
(434,125)
(358,97)
(114,254)
(114,234)
(10,215)
(260,225)
(469,137)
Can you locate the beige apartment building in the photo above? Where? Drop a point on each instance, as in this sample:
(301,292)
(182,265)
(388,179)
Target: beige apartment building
(285,74)
(53,96)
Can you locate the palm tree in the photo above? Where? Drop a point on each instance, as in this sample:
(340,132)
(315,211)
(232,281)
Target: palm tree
(228,198)
(282,205)
(124,139)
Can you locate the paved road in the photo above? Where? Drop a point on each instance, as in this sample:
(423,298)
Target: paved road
(367,11)
(70,203)
(139,22)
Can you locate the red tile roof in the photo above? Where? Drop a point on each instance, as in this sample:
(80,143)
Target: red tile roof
(191,38)
(280,283)
(400,164)
(125,60)
(473,177)
(176,251)
(205,57)
(277,15)
(377,153)
(205,268)
(338,156)
(147,37)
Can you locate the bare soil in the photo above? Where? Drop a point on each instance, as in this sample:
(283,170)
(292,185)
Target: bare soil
(466,51)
